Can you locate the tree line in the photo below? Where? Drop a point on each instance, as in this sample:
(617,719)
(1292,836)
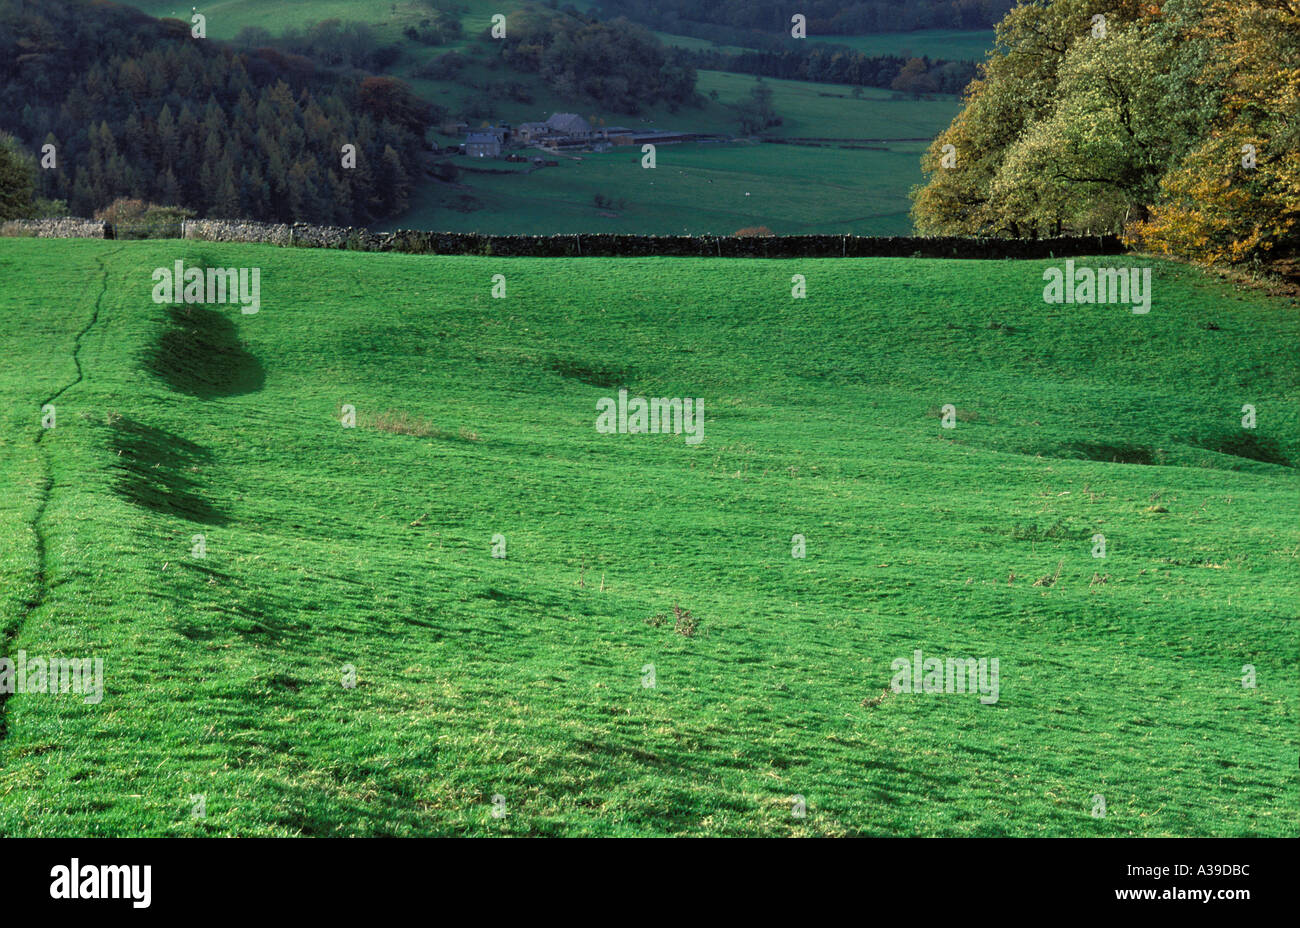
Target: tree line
(137,107)
(1173,123)
(766,23)
(618,64)
(834,64)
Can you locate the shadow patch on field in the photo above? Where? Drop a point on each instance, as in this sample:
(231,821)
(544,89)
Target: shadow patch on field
(1111,453)
(151,471)
(497,595)
(279,681)
(502,596)
(1236,447)
(596,374)
(200,354)
(195,632)
(1245,444)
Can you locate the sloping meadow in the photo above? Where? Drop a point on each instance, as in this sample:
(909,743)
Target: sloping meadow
(367,561)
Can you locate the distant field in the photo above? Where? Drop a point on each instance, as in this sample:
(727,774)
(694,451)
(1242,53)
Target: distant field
(952,44)
(687,41)
(695,188)
(550,678)
(830,111)
(701,188)
(226,17)
(806,109)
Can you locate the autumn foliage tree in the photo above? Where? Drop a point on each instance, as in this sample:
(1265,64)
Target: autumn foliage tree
(1129,117)
(388,98)
(1236,194)
(915,78)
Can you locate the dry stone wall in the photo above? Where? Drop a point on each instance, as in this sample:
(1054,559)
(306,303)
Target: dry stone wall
(302,235)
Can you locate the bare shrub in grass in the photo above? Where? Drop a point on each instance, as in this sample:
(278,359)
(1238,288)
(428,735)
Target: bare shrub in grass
(1049,580)
(399,422)
(686,623)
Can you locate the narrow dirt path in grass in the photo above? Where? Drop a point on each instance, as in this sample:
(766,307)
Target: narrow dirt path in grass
(47,487)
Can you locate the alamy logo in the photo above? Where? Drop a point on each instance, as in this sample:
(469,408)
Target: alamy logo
(179,284)
(1101,285)
(38,676)
(655,416)
(924,674)
(78,881)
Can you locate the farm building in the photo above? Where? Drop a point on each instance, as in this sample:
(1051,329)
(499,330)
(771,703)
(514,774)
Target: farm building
(569,125)
(618,135)
(661,137)
(483,144)
(529,133)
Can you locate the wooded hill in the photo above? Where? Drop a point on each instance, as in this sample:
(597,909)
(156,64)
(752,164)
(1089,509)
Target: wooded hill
(138,107)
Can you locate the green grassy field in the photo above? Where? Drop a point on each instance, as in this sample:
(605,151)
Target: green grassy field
(950,44)
(831,111)
(691,42)
(693,189)
(226,17)
(524,677)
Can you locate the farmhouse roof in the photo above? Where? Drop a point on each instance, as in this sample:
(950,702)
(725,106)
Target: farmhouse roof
(569,124)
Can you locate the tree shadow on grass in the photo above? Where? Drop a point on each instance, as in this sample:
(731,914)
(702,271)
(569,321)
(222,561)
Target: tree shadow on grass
(1112,453)
(201,355)
(151,468)
(1244,444)
(593,373)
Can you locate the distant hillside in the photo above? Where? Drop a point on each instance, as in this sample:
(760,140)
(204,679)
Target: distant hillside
(857,148)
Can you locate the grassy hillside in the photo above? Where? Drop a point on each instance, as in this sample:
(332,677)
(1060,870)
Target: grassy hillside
(523,677)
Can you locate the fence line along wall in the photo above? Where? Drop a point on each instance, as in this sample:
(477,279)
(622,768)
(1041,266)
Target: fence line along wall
(594,245)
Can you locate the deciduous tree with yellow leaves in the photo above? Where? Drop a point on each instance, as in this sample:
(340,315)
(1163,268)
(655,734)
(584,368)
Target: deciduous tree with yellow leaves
(1235,196)
(1174,123)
